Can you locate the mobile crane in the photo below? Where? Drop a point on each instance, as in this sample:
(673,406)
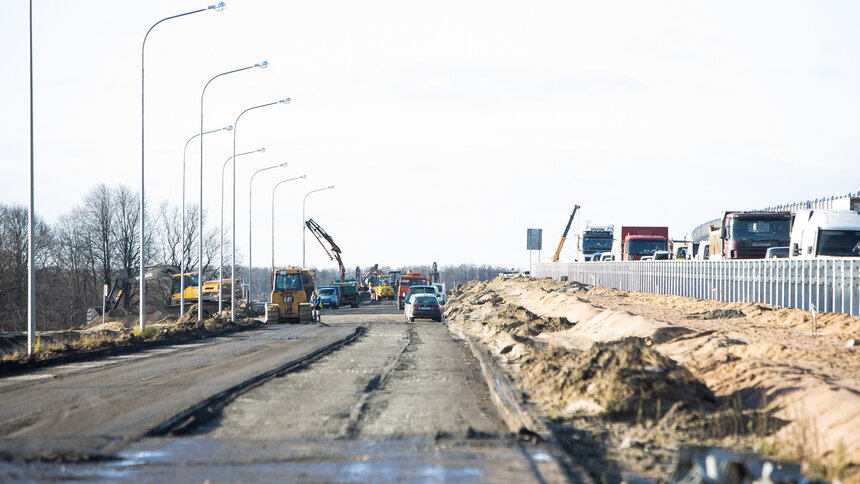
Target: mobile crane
(321,234)
(564,235)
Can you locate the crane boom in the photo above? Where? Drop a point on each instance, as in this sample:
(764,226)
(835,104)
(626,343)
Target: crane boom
(321,234)
(564,236)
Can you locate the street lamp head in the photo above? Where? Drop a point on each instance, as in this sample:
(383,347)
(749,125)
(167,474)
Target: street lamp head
(283,164)
(303,176)
(229,127)
(261,150)
(286,101)
(262,65)
(217,7)
(330,186)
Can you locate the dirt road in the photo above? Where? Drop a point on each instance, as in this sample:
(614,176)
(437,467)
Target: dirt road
(401,403)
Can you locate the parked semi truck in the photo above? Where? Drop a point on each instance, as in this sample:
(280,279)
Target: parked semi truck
(638,242)
(824,234)
(594,239)
(748,235)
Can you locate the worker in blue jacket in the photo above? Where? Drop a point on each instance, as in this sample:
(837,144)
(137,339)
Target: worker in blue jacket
(316,305)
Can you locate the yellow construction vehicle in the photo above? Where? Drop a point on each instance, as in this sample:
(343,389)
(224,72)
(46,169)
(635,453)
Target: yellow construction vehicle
(291,295)
(382,289)
(210,292)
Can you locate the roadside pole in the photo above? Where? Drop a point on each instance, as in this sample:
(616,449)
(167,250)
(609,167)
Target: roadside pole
(104,305)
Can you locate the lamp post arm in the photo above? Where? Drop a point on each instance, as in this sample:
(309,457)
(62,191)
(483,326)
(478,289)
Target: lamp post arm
(142,261)
(250,211)
(273,215)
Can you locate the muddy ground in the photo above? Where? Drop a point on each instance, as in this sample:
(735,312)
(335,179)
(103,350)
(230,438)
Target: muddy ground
(627,378)
(119,332)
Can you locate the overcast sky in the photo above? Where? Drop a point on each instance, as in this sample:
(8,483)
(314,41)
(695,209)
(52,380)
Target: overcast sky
(448,127)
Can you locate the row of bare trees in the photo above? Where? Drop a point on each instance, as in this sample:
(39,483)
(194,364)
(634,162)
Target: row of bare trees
(85,249)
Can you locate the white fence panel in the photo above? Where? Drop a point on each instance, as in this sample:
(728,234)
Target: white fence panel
(831,285)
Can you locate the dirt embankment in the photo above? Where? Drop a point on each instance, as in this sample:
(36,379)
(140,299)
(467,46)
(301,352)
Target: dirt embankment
(649,372)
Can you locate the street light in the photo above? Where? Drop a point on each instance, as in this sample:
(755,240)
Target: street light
(182,243)
(250,232)
(303,219)
(233,237)
(221,250)
(261,65)
(217,8)
(273,215)
(31,266)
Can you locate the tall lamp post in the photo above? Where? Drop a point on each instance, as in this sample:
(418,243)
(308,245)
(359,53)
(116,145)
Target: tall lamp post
(31,267)
(182,240)
(250,211)
(233,236)
(217,7)
(221,245)
(303,219)
(273,214)
(261,65)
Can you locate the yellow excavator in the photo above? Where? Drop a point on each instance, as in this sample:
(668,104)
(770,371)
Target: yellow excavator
(210,292)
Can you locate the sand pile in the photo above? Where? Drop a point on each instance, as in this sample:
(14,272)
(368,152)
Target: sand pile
(734,374)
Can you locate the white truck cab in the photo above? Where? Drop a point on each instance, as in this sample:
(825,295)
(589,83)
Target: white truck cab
(818,234)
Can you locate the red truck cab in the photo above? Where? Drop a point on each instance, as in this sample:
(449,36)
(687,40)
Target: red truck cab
(637,242)
(406,281)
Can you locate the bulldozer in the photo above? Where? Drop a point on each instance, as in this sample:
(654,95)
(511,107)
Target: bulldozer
(291,294)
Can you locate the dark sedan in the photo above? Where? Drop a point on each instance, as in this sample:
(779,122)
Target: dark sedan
(423,306)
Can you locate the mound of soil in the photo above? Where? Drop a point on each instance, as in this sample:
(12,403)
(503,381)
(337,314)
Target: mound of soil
(665,370)
(619,379)
(519,321)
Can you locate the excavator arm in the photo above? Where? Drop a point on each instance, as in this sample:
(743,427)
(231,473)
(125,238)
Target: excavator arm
(321,234)
(564,236)
(122,280)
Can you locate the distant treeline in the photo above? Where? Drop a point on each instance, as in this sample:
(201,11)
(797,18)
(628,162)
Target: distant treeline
(99,238)
(86,248)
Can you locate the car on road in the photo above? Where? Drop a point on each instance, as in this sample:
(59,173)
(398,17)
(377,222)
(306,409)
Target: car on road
(662,255)
(329,297)
(777,253)
(423,306)
(420,289)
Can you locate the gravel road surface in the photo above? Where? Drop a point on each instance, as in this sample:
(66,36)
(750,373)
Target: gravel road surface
(403,402)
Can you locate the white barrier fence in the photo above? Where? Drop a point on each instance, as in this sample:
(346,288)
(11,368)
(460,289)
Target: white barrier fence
(829,285)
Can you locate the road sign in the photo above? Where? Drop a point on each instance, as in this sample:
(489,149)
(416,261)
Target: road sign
(534,239)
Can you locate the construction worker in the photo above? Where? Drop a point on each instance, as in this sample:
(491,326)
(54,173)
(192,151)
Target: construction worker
(316,305)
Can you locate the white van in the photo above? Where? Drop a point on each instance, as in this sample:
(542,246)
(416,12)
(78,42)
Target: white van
(440,292)
(704,248)
(820,234)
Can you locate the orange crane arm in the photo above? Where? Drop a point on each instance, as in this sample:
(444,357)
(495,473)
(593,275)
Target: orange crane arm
(564,236)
